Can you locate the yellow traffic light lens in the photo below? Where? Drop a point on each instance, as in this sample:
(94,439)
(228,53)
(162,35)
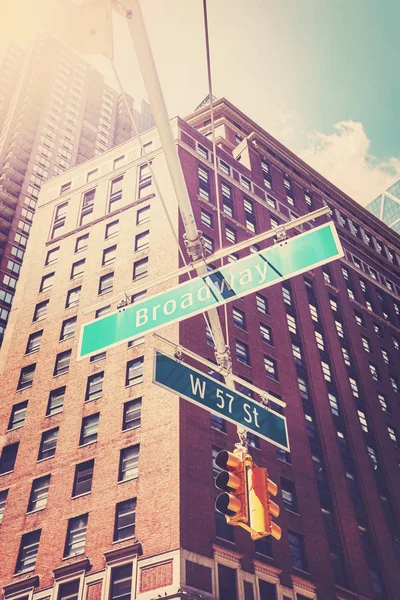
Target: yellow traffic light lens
(228,505)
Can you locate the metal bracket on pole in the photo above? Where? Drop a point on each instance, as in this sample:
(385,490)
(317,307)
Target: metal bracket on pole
(195,248)
(264,400)
(281,234)
(242,435)
(224,362)
(123,303)
(178,354)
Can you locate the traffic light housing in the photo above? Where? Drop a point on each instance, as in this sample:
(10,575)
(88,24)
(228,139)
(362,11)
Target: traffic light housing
(246,498)
(232,480)
(261,508)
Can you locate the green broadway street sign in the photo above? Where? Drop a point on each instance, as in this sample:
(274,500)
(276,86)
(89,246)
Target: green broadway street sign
(255,272)
(208,393)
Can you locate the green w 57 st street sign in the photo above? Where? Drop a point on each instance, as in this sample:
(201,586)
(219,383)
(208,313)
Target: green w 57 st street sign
(255,272)
(210,394)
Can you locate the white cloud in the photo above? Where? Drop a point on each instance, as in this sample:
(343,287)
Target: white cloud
(343,158)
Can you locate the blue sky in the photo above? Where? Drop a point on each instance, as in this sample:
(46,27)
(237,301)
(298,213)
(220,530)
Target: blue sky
(320,75)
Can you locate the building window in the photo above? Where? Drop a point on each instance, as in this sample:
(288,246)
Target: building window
(289,497)
(112,230)
(78,269)
(385,356)
(225,168)
(314,312)
(140,269)
(262,304)
(106,283)
(206,218)
(132,414)
(62,362)
(87,207)
(396,343)
(118,162)
(83,478)
(346,356)
(239,318)
(291,321)
(374,372)
(97,357)
(142,241)
(372,457)
(263,546)
(68,328)
(121,582)
(65,188)
(101,312)
(115,194)
(218,423)
(363,420)
(393,435)
(289,190)
(339,329)
(39,493)
(287,296)
(297,551)
(245,182)
(394,383)
(91,175)
(204,184)
(28,551)
(3,500)
(208,244)
(134,371)
(8,458)
(227,581)
(230,234)
(333,303)
(34,342)
(270,367)
(26,377)
(52,256)
(47,282)
(73,297)
(326,370)
(69,590)
(18,414)
(94,386)
(82,243)
(383,403)
(76,536)
(365,344)
(56,401)
(129,463)
(242,352)
(320,341)
(354,387)
(266,334)
(266,171)
(333,404)
(359,319)
(48,444)
(125,516)
(143,215)
(90,425)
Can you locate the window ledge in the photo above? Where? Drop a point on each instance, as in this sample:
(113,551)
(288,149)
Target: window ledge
(6,473)
(130,479)
(26,387)
(33,512)
(87,444)
(40,460)
(81,495)
(131,537)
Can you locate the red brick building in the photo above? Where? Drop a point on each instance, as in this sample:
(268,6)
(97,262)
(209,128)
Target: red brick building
(106,481)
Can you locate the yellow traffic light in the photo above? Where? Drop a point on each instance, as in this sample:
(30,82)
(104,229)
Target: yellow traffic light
(233,502)
(261,507)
